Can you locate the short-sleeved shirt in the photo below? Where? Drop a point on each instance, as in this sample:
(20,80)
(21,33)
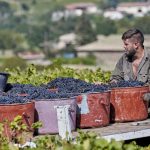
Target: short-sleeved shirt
(124,70)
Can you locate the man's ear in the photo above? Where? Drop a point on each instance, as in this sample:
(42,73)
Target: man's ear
(136,45)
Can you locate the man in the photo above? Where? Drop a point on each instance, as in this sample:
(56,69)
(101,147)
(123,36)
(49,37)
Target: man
(135,62)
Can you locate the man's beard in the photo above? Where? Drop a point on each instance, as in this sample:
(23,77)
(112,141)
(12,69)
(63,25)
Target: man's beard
(130,55)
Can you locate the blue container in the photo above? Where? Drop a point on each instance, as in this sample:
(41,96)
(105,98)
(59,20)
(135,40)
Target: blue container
(3,80)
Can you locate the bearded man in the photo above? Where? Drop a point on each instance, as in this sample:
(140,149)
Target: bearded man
(135,62)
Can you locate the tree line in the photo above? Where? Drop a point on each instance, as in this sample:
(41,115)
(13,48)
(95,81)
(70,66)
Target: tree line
(29,31)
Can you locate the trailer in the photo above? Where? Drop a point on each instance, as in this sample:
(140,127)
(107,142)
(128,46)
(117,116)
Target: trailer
(118,130)
(122,131)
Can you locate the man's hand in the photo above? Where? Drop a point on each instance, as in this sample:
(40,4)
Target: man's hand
(113,81)
(146,97)
(98,83)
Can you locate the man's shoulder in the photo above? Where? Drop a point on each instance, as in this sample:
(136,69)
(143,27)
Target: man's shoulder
(123,56)
(148,52)
(122,59)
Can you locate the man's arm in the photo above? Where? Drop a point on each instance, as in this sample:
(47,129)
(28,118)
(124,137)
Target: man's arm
(118,74)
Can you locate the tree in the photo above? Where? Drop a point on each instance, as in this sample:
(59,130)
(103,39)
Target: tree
(124,24)
(85,31)
(33,2)
(25,7)
(11,40)
(143,24)
(104,4)
(105,26)
(5,9)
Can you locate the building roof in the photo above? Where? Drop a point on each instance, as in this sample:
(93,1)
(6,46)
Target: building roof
(31,55)
(108,43)
(134,4)
(104,43)
(79,5)
(113,14)
(70,37)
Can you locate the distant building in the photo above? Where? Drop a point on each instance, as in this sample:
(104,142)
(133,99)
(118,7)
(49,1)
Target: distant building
(68,38)
(65,39)
(57,15)
(7,53)
(77,9)
(113,14)
(31,55)
(56,46)
(36,58)
(69,41)
(134,8)
(107,50)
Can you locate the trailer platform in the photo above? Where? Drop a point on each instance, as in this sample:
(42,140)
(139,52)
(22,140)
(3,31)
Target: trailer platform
(123,131)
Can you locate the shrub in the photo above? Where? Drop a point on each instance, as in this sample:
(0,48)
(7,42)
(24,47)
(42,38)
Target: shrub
(13,62)
(89,60)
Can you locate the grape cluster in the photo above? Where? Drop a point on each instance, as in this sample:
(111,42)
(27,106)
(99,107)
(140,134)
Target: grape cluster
(11,99)
(71,85)
(126,84)
(56,89)
(31,92)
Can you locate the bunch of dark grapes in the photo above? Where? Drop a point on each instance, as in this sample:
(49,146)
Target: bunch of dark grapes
(36,92)
(12,99)
(65,88)
(71,85)
(126,84)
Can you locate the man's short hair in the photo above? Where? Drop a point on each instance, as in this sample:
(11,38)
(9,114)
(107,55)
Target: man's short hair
(135,34)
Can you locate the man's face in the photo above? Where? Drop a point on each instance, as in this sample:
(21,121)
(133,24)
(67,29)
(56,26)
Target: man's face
(129,46)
